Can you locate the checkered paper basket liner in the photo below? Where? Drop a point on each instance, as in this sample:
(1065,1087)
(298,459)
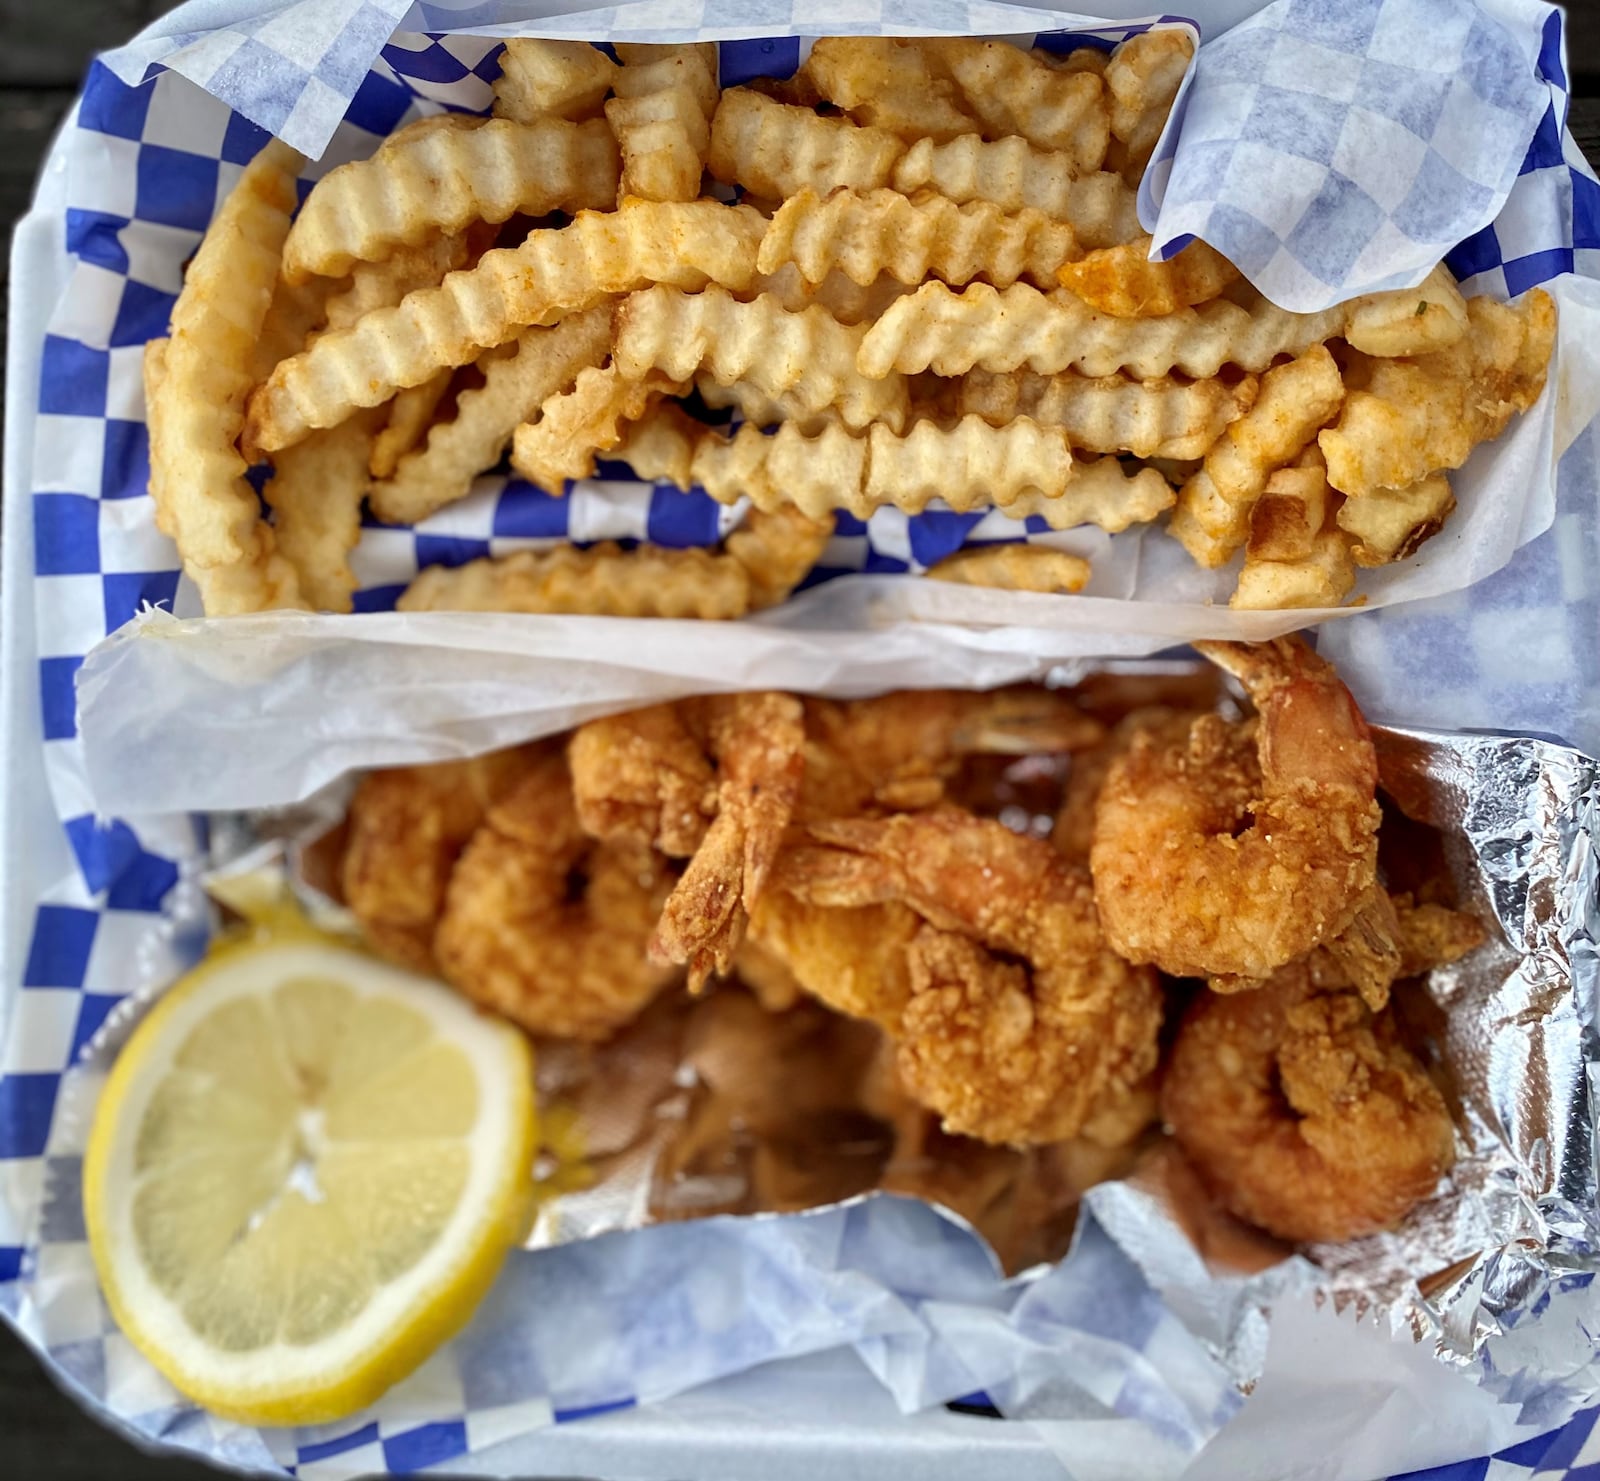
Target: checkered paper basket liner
(147,165)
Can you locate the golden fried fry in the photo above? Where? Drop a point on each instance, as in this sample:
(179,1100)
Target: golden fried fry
(296,312)
(602,581)
(1100,206)
(776,149)
(445,179)
(1014,568)
(661,118)
(315,494)
(878,232)
(381,285)
(410,415)
(1142,80)
(1124,281)
(1213,513)
(199,384)
(590,418)
(551,79)
(1081,59)
(1005,329)
(686,244)
(541,363)
(659,447)
(1021,468)
(1408,321)
(1295,556)
(777,549)
(760,564)
(1155,418)
(887,83)
(153,371)
(1418,416)
(1390,524)
(848,302)
(809,355)
(1014,93)
(649,69)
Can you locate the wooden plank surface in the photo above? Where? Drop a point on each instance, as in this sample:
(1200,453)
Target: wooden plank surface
(44,46)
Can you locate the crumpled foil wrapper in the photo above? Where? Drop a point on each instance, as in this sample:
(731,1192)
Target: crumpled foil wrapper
(722,1105)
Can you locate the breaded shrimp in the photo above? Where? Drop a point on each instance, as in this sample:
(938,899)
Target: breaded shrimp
(898,751)
(712,780)
(1304,1112)
(758,740)
(852,959)
(407,826)
(545,926)
(1229,850)
(1073,833)
(1022,1023)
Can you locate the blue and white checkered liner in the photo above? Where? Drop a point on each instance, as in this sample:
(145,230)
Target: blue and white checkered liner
(147,165)
(1411,123)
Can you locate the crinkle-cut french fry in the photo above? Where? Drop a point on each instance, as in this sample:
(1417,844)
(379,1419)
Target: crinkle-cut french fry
(809,355)
(540,364)
(1021,468)
(590,418)
(937,328)
(869,234)
(1013,93)
(654,69)
(1142,79)
(153,371)
(551,79)
(1124,281)
(755,406)
(1101,207)
(775,149)
(639,54)
(888,83)
(411,413)
(445,179)
(1014,568)
(777,549)
(381,285)
(315,493)
(295,313)
(1322,577)
(1389,525)
(198,389)
(1081,59)
(659,447)
(1212,519)
(601,581)
(661,117)
(683,243)
(663,138)
(760,564)
(849,303)
(1408,321)
(1294,508)
(1162,418)
(1418,416)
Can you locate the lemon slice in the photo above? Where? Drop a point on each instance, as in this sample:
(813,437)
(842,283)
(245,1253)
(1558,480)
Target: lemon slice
(305,1170)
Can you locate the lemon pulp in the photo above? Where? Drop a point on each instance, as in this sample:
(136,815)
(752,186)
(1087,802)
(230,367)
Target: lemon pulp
(305,1170)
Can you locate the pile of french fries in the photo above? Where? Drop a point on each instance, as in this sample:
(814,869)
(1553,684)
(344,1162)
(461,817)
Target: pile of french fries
(916,273)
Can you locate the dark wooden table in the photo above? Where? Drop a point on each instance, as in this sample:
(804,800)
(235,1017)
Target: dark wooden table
(44,45)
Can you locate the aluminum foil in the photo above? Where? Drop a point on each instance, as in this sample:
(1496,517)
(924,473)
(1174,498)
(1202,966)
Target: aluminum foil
(744,1103)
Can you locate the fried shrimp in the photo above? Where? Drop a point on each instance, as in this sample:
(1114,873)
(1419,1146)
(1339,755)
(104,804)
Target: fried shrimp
(547,927)
(713,781)
(407,826)
(898,752)
(1304,1112)
(1021,1023)
(1229,850)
